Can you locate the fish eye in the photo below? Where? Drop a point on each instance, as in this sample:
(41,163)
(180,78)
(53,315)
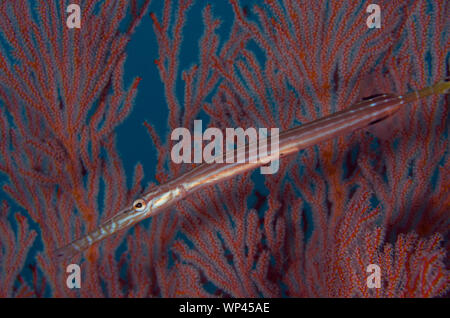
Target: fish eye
(139,205)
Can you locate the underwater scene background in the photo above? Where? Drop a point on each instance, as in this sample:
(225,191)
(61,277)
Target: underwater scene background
(85,122)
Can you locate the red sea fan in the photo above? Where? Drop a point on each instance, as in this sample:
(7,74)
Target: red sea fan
(309,230)
(311,69)
(14,248)
(62,97)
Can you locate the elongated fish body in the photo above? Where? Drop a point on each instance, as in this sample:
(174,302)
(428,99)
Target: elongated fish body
(290,141)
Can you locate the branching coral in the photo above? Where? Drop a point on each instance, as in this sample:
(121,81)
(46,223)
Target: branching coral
(310,230)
